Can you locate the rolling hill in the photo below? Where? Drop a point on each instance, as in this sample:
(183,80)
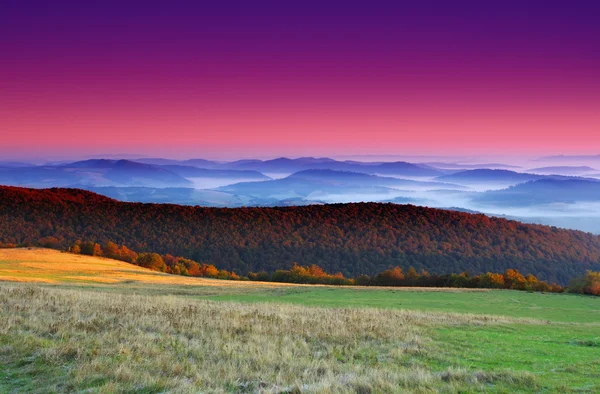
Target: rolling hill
(96,172)
(285,165)
(569,158)
(320,183)
(174,195)
(200,163)
(465,166)
(196,172)
(52,266)
(563,170)
(543,191)
(349,238)
(489,176)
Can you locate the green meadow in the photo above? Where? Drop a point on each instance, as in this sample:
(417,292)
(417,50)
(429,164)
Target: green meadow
(152,334)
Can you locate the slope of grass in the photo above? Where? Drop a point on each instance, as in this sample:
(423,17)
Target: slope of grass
(96,325)
(55,267)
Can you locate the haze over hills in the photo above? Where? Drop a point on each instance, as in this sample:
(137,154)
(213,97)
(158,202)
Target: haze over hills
(563,170)
(201,163)
(570,158)
(544,191)
(13,164)
(366,179)
(97,172)
(498,179)
(288,166)
(310,180)
(489,177)
(350,238)
(174,195)
(323,184)
(108,172)
(463,166)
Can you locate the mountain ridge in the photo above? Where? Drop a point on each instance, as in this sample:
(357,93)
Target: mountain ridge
(349,238)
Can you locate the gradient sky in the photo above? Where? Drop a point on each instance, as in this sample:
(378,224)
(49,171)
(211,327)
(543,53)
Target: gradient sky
(222,79)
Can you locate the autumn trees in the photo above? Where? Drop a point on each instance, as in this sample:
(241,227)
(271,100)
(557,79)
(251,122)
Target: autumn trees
(154,261)
(587,284)
(511,279)
(352,239)
(312,274)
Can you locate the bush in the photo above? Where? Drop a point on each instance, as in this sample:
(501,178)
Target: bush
(587,284)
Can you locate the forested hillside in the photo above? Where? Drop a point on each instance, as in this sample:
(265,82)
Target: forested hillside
(350,238)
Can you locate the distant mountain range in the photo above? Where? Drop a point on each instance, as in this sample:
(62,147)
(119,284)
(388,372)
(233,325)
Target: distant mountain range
(543,191)
(308,180)
(569,158)
(105,172)
(196,172)
(96,172)
(503,178)
(317,183)
(173,195)
(191,162)
(563,170)
(460,166)
(13,164)
(288,166)
(489,176)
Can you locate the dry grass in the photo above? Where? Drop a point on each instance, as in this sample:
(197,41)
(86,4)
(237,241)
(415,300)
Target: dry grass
(67,340)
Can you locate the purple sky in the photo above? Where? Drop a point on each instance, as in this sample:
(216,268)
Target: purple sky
(280,78)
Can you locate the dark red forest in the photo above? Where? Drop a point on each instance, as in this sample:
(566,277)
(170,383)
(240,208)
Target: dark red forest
(353,239)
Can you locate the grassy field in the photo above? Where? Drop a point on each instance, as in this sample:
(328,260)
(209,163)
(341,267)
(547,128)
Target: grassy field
(97,325)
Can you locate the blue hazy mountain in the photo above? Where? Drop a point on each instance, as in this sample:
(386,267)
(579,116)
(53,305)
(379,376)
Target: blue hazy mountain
(543,191)
(196,172)
(362,179)
(14,164)
(174,195)
(126,172)
(461,166)
(563,170)
(570,158)
(201,163)
(285,165)
(38,176)
(319,184)
(282,164)
(157,161)
(489,176)
(97,172)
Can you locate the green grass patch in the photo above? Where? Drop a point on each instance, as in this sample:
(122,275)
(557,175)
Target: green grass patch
(552,352)
(546,306)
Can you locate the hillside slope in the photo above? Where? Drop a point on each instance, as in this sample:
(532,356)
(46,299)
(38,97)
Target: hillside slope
(53,266)
(350,238)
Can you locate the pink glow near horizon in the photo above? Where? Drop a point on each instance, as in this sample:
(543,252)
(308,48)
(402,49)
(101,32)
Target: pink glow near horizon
(496,85)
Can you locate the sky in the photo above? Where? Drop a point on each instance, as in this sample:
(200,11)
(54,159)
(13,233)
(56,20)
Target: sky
(226,79)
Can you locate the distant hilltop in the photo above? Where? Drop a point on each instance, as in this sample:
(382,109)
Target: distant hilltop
(354,239)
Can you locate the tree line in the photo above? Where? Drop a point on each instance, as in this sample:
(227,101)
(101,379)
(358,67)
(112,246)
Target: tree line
(352,239)
(587,284)
(312,274)
(153,261)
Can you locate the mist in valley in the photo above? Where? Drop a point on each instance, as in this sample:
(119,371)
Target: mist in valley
(560,191)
